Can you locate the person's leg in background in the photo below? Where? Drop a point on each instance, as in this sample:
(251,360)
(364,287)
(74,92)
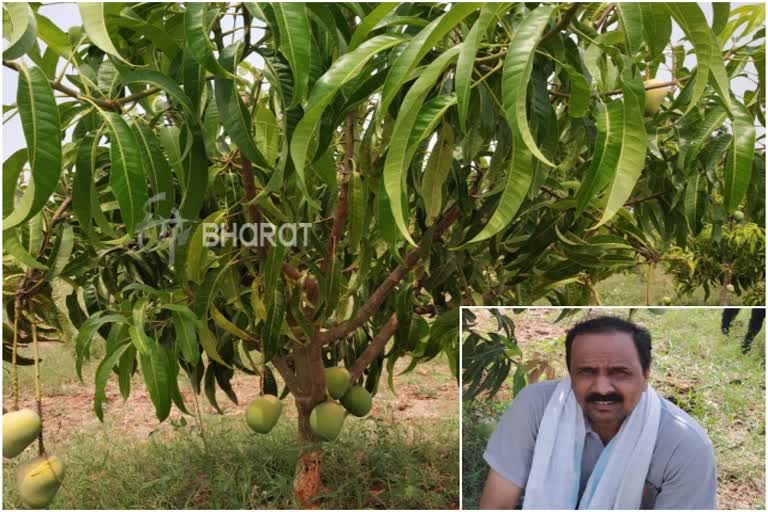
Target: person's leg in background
(728,315)
(755,324)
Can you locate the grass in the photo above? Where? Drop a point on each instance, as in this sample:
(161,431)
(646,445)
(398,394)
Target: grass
(387,462)
(369,466)
(700,369)
(629,289)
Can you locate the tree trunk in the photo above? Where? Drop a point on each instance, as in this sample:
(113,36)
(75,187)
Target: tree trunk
(307,481)
(310,374)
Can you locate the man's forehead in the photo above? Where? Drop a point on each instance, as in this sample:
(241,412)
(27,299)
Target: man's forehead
(614,347)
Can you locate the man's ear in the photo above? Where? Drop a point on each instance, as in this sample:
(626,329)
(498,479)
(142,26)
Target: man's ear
(647,374)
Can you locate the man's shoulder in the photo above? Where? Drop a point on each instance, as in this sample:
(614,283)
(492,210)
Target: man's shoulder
(679,429)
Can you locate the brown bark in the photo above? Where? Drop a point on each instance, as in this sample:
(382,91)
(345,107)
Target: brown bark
(309,392)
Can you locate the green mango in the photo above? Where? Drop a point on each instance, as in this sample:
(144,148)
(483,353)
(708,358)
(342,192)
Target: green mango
(262,414)
(326,420)
(357,401)
(38,480)
(20,429)
(337,381)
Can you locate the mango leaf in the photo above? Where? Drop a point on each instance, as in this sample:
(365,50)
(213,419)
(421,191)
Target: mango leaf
(210,344)
(86,334)
(633,146)
(158,169)
(233,115)
(103,372)
(738,165)
(466,62)
(23,30)
(164,82)
(295,43)
(154,367)
(657,28)
(519,176)
(195,168)
(709,60)
(53,37)
(42,132)
(602,168)
(127,174)
(418,47)
(701,137)
(631,18)
(358,205)
(342,71)
(368,23)
(271,331)
(94,19)
(198,41)
(437,171)
(401,151)
(186,338)
(517,73)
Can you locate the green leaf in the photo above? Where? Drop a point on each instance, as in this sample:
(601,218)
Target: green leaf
(709,60)
(94,19)
(721,11)
(210,344)
(437,171)
(704,129)
(234,116)
(517,73)
(368,23)
(226,324)
(195,167)
(165,83)
(580,92)
(295,43)
(85,337)
(186,338)
(42,132)
(12,245)
(342,71)
(694,202)
(195,262)
(12,168)
(271,330)
(154,367)
(633,146)
(103,372)
(657,28)
(63,251)
(23,30)
(159,170)
(82,182)
(198,41)
(606,155)
(519,176)
(631,17)
(400,150)
(127,174)
(53,37)
(466,62)
(418,47)
(738,166)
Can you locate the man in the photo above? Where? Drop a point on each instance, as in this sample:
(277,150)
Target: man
(755,324)
(600,438)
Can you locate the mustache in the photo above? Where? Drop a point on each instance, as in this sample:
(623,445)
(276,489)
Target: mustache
(613,397)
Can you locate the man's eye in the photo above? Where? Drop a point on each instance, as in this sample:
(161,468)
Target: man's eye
(586,371)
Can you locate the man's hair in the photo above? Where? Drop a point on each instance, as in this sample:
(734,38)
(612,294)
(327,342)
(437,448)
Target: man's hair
(606,324)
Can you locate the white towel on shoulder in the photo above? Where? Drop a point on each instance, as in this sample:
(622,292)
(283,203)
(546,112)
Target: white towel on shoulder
(618,477)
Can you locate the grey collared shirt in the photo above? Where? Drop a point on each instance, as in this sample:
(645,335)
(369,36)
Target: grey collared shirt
(682,474)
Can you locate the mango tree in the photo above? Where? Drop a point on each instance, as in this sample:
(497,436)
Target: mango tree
(437,155)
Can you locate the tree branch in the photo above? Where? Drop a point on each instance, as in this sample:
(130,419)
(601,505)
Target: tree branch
(374,348)
(377,298)
(340,213)
(70,92)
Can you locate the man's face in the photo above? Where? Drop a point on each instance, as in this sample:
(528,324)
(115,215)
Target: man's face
(606,376)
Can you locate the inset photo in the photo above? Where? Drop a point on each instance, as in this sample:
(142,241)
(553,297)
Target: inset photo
(613,408)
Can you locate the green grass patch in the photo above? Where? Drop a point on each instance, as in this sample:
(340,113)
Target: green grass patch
(371,465)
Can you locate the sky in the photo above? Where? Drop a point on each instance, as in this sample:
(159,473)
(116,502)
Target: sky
(66,15)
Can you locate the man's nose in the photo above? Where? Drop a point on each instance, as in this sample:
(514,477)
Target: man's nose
(602,385)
